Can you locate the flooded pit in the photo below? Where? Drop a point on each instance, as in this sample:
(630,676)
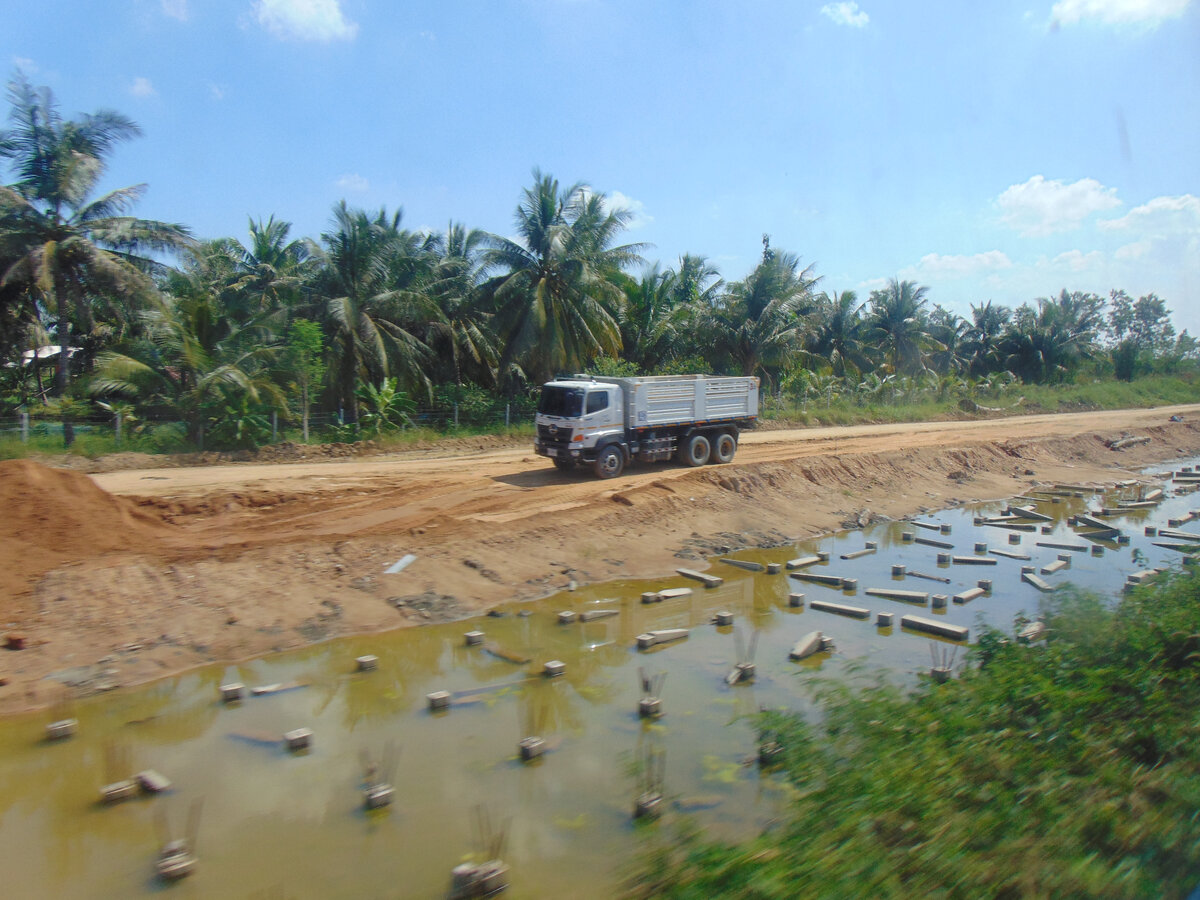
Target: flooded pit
(282,824)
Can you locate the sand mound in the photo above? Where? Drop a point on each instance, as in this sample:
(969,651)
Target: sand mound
(51,516)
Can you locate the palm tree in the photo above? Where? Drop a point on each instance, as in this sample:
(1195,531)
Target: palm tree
(462,334)
(837,335)
(949,330)
(70,251)
(273,268)
(984,336)
(370,284)
(649,317)
(1043,344)
(556,299)
(760,324)
(898,326)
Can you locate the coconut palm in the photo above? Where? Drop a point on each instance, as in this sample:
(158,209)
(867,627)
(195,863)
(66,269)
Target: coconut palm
(898,326)
(837,333)
(649,318)
(75,253)
(370,285)
(760,324)
(556,298)
(949,330)
(273,268)
(984,337)
(461,337)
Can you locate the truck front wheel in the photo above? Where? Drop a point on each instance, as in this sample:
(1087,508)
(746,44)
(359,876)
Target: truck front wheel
(610,462)
(563,463)
(724,448)
(696,451)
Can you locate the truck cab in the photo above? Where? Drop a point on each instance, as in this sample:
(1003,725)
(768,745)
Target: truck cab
(578,418)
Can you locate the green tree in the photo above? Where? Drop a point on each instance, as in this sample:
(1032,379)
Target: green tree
(370,284)
(984,336)
(556,299)
(73,252)
(384,406)
(460,337)
(304,358)
(898,326)
(837,333)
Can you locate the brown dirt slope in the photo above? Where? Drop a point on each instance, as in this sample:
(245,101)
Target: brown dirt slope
(50,516)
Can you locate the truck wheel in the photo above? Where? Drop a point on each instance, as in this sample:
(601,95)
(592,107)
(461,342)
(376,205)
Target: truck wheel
(724,448)
(696,452)
(610,462)
(564,463)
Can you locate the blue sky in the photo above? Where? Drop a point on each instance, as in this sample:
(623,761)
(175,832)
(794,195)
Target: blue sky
(995,151)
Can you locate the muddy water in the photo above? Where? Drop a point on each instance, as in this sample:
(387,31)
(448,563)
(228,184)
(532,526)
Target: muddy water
(277,825)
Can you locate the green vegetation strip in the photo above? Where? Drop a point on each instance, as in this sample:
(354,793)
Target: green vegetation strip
(1068,769)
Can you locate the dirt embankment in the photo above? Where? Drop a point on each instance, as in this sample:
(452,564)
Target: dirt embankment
(134,574)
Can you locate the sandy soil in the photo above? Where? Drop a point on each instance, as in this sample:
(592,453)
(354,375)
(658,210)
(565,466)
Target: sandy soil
(124,576)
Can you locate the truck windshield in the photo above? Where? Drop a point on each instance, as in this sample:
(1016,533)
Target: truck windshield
(561,401)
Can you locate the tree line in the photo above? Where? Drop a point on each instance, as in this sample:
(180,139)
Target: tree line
(372,317)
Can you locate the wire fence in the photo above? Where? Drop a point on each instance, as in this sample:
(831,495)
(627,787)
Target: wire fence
(166,432)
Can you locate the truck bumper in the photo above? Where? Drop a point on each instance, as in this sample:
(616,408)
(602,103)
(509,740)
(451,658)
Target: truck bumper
(558,450)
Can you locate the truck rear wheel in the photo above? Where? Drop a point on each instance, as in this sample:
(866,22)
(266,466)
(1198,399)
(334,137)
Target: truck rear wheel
(610,462)
(724,447)
(696,451)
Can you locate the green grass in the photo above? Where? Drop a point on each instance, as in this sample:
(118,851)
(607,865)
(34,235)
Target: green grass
(1065,770)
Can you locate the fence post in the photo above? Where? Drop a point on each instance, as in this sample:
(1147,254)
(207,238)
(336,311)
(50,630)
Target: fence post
(274,426)
(24,428)
(117,427)
(507,407)
(455,413)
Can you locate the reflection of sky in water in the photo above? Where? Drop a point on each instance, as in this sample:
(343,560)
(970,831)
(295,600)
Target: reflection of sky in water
(278,825)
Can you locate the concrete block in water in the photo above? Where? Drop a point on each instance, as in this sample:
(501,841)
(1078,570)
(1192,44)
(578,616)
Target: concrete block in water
(940,674)
(899,569)
(531,748)
(974,561)
(855,554)
(939,601)
(709,581)
(592,614)
(124,789)
(907,537)
(438,700)
(648,806)
(366,663)
(471,880)
(1056,545)
(823,555)
(803,561)
(1030,578)
(378,796)
(298,739)
(841,609)
(1034,631)
(62,729)
(661,636)
(795,600)
(893,594)
(1014,539)
(929,526)
(650,707)
(1097,550)
(1009,554)
(473,638)
(944,528)
(774,568)
(743,564)
(850,585)
(152,782)
(808,645)
(943,559)
(933,626)
(931,542)
(567,616)
(981,546)
(724,617)
(553,668)
(744,672)
(819,578)
(233,691)
(968,595)
(884,619)
(985,584)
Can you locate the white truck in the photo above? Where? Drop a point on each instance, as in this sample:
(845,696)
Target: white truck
(608,422)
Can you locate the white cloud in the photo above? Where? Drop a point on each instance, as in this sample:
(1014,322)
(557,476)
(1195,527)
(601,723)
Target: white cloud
(1040,207)
(353,184)
(142,87)
(216,91)
(1161,216)
(615,200)
(1149,13)
(935,265)
(305,20)
(845,14)
(176,9)
(25,64)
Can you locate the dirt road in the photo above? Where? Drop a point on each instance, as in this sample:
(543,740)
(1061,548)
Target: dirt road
(132,574)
